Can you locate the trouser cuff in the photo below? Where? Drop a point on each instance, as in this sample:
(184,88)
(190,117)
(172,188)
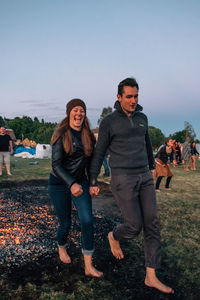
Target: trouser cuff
(62,246)
(87,252)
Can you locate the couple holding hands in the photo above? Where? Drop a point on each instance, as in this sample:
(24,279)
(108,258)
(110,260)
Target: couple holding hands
(76,163)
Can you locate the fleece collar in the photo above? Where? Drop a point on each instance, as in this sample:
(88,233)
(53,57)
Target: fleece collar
(118,107)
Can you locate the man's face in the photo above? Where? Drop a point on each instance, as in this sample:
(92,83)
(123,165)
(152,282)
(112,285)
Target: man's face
(129,99)
(170,143)
(2,130)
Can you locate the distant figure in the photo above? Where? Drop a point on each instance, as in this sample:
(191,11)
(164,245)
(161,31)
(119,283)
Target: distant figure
(178,153)
(106,166)
(193,152)
(6,148)
(72,148)
(164,157)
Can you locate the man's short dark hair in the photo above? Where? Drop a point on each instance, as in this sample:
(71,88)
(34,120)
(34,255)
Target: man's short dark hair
(127,82)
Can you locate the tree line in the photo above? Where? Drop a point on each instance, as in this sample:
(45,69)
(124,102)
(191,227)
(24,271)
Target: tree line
(33,129)
(41,131)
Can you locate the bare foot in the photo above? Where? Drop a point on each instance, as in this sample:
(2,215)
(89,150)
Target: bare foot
(91,271)
(64,257)
(169,189)
(157,190)
(157,284)
(115,246)
(9,174)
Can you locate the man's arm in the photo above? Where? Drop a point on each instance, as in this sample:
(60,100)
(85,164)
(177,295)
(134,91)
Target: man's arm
(149,152)
(100,150)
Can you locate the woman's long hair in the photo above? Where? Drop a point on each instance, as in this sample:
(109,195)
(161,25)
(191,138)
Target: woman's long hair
(87,137)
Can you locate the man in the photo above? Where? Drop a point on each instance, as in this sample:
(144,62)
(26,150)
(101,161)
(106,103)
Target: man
(124,133)
(5,144)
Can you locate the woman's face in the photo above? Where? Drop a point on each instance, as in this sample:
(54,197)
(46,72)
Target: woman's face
(76,117)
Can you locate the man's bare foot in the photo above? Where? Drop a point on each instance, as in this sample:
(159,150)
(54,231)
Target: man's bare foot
(157,284)
(64,257)
(115,246)
(91,271)
(157,190)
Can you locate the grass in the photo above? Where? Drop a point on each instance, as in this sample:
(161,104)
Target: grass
(179,216)
(26,169)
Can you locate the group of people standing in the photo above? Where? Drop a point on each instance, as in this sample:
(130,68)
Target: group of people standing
(76,163)
(174,153)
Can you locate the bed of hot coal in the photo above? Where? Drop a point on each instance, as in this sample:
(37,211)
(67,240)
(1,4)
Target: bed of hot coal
(28,228)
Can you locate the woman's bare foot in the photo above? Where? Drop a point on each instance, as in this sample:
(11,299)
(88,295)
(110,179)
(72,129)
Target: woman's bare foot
(151,280)
(64,257)
(115,246)
(89,269)
(157,190)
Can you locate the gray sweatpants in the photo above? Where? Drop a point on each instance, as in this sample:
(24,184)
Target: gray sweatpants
(136,198)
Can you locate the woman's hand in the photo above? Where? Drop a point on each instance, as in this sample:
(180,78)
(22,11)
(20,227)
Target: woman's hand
(76,189)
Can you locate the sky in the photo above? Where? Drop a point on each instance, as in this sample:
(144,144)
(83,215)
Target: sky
(54,50)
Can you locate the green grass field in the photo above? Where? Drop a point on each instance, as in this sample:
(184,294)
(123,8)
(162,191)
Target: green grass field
(179,215)
(24,169)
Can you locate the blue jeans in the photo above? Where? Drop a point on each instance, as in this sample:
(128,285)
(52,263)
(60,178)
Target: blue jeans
(62,198)
(105,165)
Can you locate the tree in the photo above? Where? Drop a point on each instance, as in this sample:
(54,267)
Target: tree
(189,130)
(25,127)
(156,136)
(179,136)
(2,121)
(105,111)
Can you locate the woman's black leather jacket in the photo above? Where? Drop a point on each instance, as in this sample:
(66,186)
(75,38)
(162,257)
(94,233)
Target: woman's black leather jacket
(69,168)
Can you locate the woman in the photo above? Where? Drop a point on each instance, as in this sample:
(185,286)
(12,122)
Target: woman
(193,152)
(163,157)
(72,147)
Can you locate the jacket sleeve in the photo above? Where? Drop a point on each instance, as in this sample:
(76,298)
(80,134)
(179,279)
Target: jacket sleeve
(57,157)
(149,151)
(100,150)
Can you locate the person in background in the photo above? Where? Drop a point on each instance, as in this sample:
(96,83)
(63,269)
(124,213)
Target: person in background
(163,158)
(6,148)
(72,148)
(178,153)
(193,152)
(124,133)
(106,166)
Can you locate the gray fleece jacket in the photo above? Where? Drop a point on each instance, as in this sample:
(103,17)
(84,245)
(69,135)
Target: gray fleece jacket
(127,141)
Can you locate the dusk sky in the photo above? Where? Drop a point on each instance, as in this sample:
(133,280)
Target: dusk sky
(54,50)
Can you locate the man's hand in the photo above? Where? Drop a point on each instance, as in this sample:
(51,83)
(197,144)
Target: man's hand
(76,189)
(94,190)
(153,172)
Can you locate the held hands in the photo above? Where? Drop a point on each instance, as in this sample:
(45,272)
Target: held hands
(76,189)
(94,190)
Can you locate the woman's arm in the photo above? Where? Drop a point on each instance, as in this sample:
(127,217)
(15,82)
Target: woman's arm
(57,157)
